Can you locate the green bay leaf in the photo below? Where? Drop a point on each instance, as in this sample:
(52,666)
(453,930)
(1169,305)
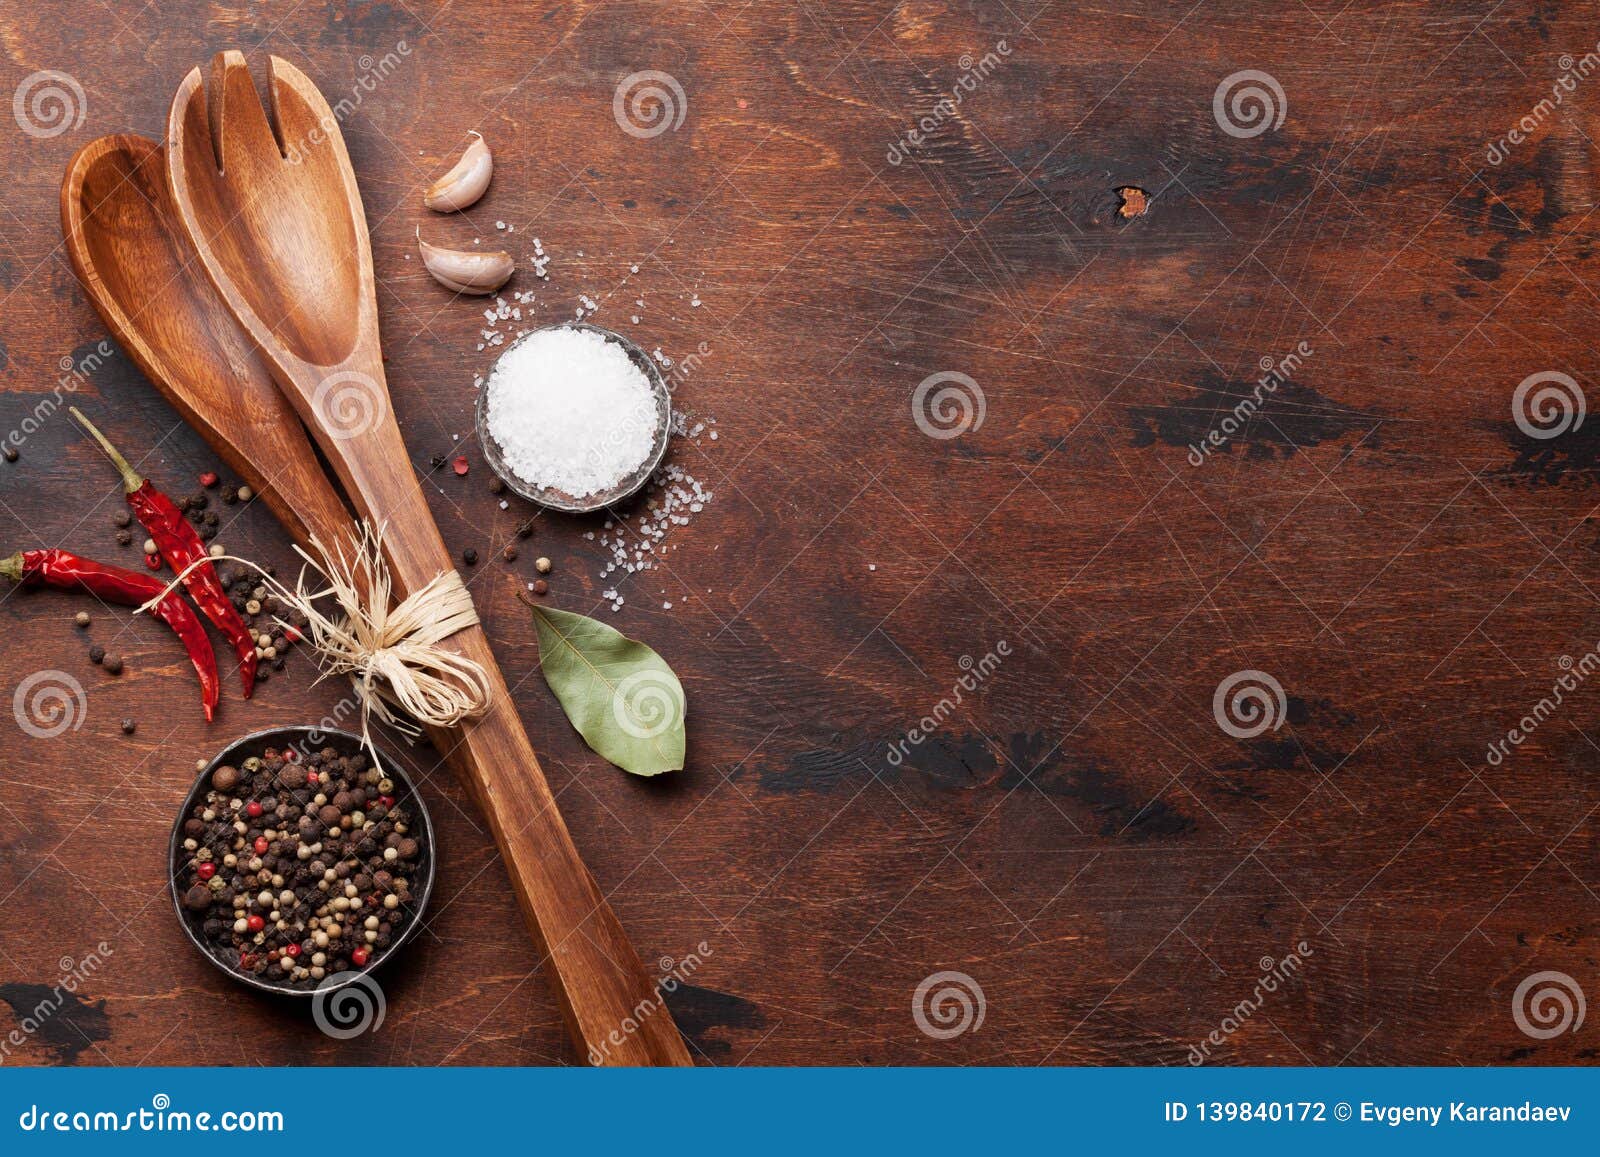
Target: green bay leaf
(621,696)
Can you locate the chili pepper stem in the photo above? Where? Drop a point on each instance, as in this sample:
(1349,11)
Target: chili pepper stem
(11,568)
(131,479)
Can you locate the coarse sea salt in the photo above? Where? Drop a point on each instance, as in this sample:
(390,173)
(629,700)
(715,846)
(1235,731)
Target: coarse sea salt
(570,411)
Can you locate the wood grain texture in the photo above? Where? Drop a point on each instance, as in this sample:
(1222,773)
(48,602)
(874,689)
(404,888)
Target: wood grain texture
(1078,834)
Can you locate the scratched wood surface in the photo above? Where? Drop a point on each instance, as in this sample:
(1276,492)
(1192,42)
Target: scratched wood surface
(1107,866)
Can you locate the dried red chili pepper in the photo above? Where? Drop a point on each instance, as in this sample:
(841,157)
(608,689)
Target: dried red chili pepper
(129,588)
(182,547)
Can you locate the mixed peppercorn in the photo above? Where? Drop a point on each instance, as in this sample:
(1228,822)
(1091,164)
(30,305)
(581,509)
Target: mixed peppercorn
(293,866)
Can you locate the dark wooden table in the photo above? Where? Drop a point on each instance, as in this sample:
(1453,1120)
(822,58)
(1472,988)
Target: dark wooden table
(1074,832)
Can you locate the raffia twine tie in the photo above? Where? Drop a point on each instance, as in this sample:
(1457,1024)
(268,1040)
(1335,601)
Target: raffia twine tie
(392,655)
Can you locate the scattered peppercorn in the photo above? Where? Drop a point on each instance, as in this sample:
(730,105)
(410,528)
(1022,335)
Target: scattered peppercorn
(469,556)
(246,494)
(129,727)
(526,529)
(150,546)
(112,664)
(152,560)
(124,538)
(540,587)
(496,486)
(509,554)
(460,464)
(10,452)
(81,618)
(209,479)
(437,461)
(97,654)
(542,565)
(122,519)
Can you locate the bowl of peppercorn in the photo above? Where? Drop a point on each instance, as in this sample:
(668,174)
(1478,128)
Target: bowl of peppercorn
(297,865)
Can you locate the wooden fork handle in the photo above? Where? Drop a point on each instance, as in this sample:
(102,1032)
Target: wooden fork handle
(614,1009)
(611,1005)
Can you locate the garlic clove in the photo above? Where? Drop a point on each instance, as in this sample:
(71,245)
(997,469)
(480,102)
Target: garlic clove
(466,270)
(465,182)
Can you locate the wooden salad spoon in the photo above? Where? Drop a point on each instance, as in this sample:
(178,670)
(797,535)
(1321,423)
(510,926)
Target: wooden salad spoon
(276,219)
(137,266)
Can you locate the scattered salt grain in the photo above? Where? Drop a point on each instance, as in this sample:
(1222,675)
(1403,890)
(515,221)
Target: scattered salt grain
(570,411)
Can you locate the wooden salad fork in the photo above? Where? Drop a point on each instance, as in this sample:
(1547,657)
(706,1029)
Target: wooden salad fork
(274,215)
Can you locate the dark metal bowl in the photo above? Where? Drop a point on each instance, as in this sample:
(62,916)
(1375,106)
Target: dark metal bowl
(281,737)
(559,499)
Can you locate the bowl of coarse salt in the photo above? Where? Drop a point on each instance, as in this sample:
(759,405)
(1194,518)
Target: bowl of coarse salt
(574,417)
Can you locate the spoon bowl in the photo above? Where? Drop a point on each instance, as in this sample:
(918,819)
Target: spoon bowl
(131,255)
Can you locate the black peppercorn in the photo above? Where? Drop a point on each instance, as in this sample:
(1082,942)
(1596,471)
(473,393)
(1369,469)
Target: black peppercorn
(112,664)
(469,556)
(10,452)
(509,554)
(122,519)
(124,538)
(496,486)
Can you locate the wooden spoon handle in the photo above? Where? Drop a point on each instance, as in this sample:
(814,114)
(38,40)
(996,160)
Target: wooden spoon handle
(602,986)
(603,989)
